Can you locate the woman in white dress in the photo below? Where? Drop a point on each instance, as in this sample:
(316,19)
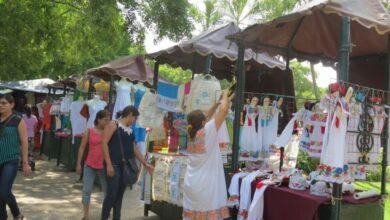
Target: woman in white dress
(205,195)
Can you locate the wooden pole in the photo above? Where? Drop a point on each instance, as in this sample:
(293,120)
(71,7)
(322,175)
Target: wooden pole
(238,105)
(342,74)
(90,88)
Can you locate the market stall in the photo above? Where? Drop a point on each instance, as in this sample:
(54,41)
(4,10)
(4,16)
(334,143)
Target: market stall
(212,54)
(353,34)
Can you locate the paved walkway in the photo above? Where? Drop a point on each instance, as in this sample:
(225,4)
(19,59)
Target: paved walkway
(52,193)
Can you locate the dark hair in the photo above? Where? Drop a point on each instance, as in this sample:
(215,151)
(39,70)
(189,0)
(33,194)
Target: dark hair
(195,121)
(101,114)
(28,110)
(127,111)
(8,97)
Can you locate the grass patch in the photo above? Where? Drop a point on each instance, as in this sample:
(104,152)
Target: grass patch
(377,186)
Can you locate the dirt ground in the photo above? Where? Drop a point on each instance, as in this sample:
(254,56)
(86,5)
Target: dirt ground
(53,193)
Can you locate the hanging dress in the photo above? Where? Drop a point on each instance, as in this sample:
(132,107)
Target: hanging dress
(123,98)
(332,168)
(79,123)
(249,143)
(94,107)
(205,195)
(264,129)
(270,132)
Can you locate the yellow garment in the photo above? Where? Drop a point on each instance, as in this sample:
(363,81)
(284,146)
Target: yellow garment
(102,86)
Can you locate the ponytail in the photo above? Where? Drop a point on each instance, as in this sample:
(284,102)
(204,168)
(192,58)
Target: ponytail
(195,123)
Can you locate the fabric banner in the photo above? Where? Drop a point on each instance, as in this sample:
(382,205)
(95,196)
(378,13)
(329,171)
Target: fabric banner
(167,96)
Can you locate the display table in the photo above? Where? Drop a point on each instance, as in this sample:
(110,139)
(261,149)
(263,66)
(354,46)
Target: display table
(285,203)
(65,149)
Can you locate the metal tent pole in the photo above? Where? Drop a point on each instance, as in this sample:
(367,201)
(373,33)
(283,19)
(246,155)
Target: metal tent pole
(111,91)
(155,74)
(342,74)
(207,65)
(238,104)
(385,145)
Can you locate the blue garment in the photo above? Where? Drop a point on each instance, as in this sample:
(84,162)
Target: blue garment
(167,96)
(114,196)
(8,171)
(139,133)
(89,175)
(138,97)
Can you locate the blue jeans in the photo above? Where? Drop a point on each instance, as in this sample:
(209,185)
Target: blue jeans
(114,195)
(88,181)
(8,173)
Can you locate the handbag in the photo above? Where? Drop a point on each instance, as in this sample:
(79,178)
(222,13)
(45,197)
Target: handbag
(130,170)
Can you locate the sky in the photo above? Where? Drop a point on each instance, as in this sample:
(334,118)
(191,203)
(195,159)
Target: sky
(326,75)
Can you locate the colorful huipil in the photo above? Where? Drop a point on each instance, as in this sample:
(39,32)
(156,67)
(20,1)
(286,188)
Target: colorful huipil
(316,131)
(332,167)
(205,195)
(249,142)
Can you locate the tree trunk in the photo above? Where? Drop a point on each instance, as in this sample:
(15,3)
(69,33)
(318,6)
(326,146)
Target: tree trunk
(314,79)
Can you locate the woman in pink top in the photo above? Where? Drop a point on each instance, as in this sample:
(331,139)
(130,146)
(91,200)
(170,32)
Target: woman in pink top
(31,122)
(93,163)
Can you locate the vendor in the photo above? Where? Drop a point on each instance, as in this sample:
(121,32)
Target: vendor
(204,182)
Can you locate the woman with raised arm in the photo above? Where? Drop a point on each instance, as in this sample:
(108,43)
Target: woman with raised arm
(205,195)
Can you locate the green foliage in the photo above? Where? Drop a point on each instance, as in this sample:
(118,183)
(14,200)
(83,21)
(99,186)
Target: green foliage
(306,163)
(272,9)
(174,75)
(303,86)
(58,38)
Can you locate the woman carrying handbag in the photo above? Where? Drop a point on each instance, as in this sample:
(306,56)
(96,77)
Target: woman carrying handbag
(119,154)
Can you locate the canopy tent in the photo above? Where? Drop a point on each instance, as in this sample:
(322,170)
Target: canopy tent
(192,54)
(35,85)
(312,32)
(133,68)
(69,82)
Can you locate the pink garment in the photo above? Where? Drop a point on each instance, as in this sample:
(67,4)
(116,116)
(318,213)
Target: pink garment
(187,88)
(31,123)
(95,153)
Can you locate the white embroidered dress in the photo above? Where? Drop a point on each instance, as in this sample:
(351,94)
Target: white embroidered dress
(332,167)
(123,98)
(205,195)
(249,141)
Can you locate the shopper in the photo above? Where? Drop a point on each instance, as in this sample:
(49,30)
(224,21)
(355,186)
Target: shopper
(38,128)
(116,134)
(13,144)
(205,193)
(93,163)
(31,122)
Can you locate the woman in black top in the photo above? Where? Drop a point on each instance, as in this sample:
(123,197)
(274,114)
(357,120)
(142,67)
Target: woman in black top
(113,158)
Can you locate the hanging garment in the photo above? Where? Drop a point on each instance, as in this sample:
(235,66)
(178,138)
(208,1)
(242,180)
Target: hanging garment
(256,209)
(55,108)
(249,141)
(46,117)
(204,183)
(151,116)
(234,189)
(204,93)
(224,138)
(93,108)
(167,96)
(316,131)
(123,97)
(269,132)
(174,182)
(183,94)
(246,193)
(65,104)
(138,97)
(332,167)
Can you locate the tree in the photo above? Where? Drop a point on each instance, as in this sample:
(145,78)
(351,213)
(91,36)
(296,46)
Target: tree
(62,37)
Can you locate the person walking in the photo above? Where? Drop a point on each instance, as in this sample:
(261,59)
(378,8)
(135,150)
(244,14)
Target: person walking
(119,140)
(205,193)
(13,144)
(93,164)
(31,122)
